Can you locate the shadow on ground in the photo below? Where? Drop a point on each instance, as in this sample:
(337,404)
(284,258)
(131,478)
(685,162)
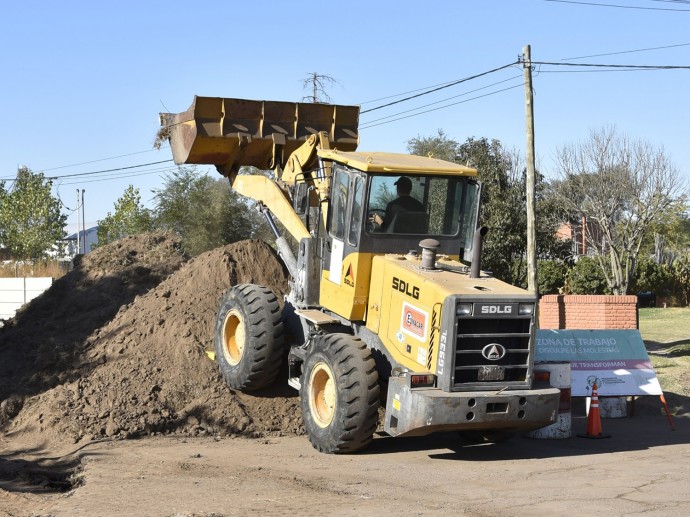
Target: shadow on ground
(39,476)
(626,434)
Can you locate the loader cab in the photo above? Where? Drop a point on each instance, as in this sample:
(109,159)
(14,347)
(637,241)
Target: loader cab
(411,207)
(429,205)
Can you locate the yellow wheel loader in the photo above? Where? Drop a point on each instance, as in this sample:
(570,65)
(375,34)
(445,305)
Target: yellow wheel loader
(388,304)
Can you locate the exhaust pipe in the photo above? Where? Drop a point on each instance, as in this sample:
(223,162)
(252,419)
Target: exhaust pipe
(477,242)
(429,247)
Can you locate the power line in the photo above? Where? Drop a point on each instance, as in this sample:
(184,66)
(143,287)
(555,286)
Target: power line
(90,173)
(616,70)
(98,160)
(427,92)
(631,67)
(618,6)
(122,176)
(367,126)
(626,51)
(444,100)
(108,170)
(405,93)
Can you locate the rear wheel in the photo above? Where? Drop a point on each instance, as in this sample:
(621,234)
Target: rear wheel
(339,394)
(249,337)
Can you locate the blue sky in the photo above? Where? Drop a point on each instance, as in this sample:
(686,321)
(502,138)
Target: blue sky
(85,81)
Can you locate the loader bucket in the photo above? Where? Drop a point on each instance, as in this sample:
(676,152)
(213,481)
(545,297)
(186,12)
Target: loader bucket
(239,132)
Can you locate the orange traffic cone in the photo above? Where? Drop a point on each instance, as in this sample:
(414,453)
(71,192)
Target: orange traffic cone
(594,419)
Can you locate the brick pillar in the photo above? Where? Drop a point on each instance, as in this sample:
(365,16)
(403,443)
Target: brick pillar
(587,312)
(551,311)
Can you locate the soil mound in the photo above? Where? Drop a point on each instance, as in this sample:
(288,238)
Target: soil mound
(42,345)
(145,369)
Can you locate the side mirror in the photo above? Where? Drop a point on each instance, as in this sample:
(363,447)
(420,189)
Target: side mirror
(300,198)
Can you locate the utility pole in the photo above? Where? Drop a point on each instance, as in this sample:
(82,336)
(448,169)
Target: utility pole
(78,236)
(532,284)
(83,219)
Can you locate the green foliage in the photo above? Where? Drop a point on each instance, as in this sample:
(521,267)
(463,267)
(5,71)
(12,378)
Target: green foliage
(680,286)
(439,146)
(668,236)
(130,218)
(204,211)
(551,276)
(30,218)
(586,277)
(652,277)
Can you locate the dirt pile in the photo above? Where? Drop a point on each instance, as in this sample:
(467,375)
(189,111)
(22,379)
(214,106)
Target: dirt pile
(43,345)
(143,370)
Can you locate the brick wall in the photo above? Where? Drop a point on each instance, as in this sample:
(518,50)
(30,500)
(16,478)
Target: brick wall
(587,312)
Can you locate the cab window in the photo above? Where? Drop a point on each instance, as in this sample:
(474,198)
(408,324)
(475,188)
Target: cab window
(339,198)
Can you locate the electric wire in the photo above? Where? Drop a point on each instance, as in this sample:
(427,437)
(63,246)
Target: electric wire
(601,65)
(427,92)
(443,100)
(124,176)
(405,93)
(367,126)
(626,51)
(597,4)
(108,170)
(99,160)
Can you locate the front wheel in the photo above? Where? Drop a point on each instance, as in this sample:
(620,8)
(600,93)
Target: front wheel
(249,337)
(339,394)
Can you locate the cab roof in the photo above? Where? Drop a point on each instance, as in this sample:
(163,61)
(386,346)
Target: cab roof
(395,163)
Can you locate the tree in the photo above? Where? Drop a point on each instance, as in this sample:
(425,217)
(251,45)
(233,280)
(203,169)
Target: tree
(668,237)
(130,218)
(439,146)
(204,211)
(586,277)
(30,220)
(621,187)
(503,210)
(317,84)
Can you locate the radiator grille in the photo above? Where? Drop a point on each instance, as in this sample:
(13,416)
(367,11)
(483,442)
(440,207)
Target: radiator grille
(473,335)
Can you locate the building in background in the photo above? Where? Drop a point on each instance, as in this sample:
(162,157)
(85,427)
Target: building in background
(90,235)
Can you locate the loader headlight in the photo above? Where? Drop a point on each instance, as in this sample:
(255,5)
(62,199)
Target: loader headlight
(525,308)
(463,309)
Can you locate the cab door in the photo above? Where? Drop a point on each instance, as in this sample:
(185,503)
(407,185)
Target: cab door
(346,273)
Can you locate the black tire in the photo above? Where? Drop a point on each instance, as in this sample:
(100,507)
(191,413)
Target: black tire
(249,338)
(339,394)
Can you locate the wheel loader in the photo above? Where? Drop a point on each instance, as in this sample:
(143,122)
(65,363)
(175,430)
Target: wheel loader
(388,305)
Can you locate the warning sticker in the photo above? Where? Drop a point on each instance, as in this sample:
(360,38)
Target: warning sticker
(414,321)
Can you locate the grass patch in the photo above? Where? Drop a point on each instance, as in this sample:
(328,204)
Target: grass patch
(665,325)
(666,333)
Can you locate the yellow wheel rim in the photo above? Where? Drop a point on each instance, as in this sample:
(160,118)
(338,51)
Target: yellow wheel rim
(322,397)
(233,337)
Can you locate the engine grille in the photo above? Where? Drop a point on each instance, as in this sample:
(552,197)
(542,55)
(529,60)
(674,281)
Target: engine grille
(475,335)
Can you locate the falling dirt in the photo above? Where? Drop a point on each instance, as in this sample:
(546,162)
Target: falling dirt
(117,349)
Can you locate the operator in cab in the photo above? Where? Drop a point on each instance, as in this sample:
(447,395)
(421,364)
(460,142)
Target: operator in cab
(403,203)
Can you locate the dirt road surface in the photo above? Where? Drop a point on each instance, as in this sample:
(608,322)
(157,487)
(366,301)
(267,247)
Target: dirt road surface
(641,470)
